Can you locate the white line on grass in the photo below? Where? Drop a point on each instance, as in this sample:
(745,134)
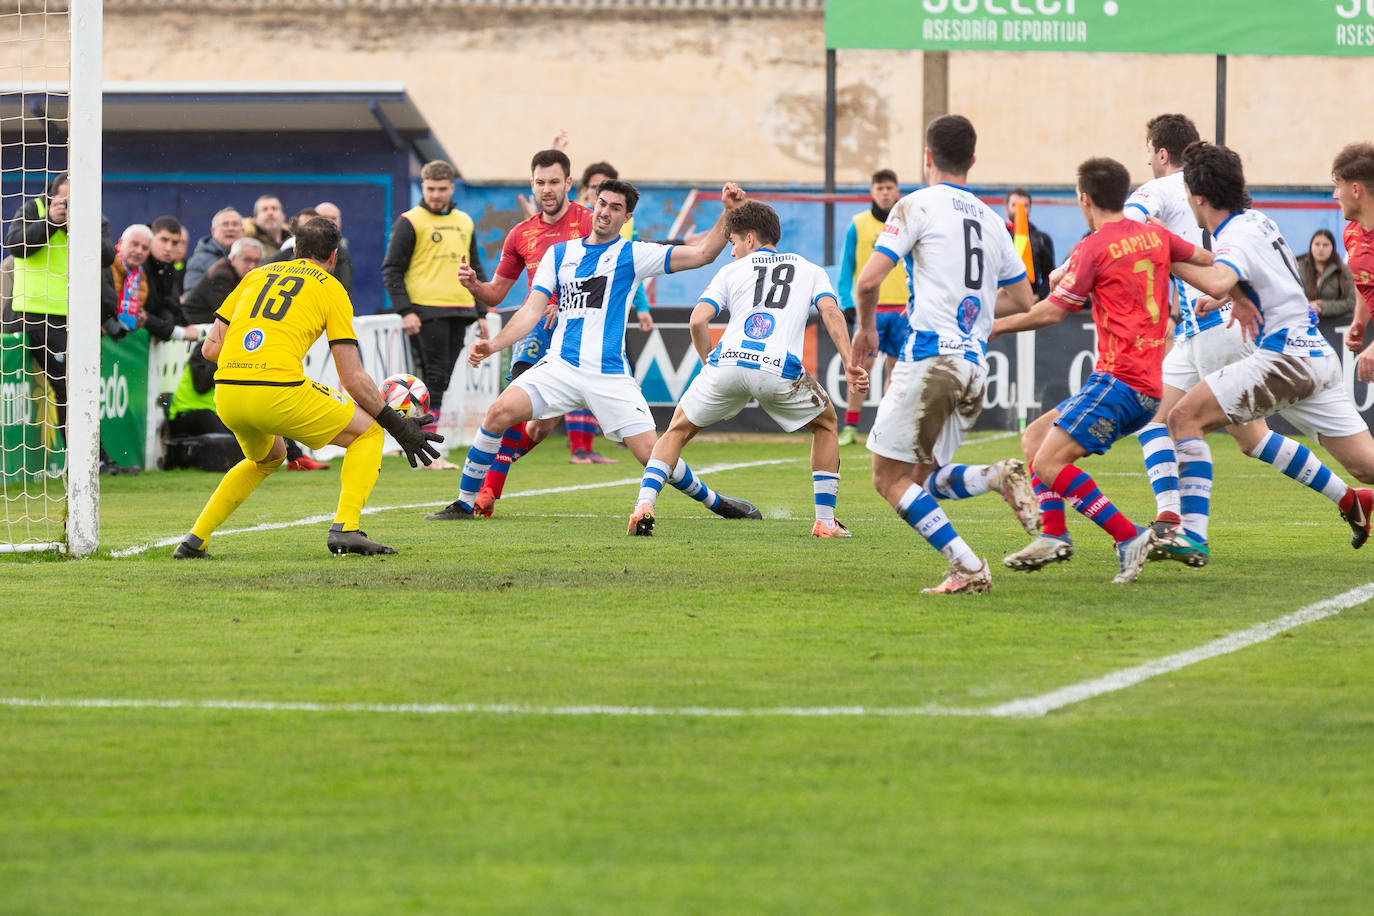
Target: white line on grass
(371,510)
(1015,709)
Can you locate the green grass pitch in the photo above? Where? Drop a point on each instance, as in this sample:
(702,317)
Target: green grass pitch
(1241,784)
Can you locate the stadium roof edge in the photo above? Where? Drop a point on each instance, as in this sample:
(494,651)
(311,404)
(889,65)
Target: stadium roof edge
(205,107)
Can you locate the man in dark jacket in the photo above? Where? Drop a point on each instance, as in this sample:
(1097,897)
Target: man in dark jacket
(165,268)
(219,281)
(126,291)
(1042,246)
(226,228)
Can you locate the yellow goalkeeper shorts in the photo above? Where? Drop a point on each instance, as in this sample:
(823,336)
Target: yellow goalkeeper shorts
(310,413)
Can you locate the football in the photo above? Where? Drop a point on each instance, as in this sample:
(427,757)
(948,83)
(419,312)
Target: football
(406,394)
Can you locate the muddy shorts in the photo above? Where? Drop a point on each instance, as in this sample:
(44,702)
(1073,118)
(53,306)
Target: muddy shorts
(1307,391)
(1194,358)
(1104,410)
(928,409)
(720,392)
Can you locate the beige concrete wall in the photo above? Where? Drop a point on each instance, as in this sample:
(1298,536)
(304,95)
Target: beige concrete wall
(698,97)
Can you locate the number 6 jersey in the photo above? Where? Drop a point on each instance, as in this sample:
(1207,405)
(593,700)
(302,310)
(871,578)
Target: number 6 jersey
(769,296)
(274,315)
(957,252)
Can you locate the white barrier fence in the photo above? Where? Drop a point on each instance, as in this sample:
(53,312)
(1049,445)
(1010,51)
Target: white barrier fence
(384,350)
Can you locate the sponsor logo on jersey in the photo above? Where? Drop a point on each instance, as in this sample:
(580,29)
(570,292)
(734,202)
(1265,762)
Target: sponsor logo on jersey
(253,339)
(758,326)
(582,293)
(969,310)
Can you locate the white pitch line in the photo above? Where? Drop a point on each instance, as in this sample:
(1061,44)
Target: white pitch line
(372,510)
(1029,707)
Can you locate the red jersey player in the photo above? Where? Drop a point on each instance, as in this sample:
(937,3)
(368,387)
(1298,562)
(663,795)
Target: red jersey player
(1353,175)
(1124,266)
(558,220)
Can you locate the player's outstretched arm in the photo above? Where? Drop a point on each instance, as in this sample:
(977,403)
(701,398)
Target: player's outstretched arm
(489,294)
(1041,315)
(1014,299)
(833,319)
(700,326)
(520,324)
(409,432)
(708,248)
(1216,280)
(215,341)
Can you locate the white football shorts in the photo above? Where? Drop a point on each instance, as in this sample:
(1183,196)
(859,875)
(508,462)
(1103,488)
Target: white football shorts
(928,409)
(1307,391)
(555,388)
(720,392)
(1194,358)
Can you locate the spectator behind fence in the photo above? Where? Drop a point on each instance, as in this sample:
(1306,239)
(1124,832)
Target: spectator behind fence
(1326,279)
(287,251)
(37,240)
(127,294)
(268,224)
(219,281)
(420,273)
(343,270)
(1041,245)
(166,266)
(226,228)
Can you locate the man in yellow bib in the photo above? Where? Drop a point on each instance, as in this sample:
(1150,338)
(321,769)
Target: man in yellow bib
(259,339)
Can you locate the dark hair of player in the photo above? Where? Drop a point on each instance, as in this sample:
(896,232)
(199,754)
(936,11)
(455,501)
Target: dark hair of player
(1171,132)
(549,157)
(599,168)
(1355,163)
(951,139)
(438,170)
(166,224)
(623,188)
(753,216)
(1106,182)
(318,238)
(885,175)
(1214,172)
(1021,192)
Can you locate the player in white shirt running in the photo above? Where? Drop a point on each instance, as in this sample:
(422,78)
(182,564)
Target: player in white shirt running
(592,281)
(769,295)
(1292,371)
(961,268)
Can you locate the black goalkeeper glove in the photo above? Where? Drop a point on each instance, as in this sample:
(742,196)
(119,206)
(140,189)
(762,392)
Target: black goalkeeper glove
(411,434)
(114,328)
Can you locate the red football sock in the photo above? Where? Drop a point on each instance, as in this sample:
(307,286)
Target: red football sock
(1052,521)
(851,417)
(1082,493)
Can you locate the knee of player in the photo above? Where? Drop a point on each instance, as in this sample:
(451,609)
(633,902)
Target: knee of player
(272,462)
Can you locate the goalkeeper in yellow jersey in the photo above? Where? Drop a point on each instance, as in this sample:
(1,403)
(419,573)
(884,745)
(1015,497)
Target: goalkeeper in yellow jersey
(259,339)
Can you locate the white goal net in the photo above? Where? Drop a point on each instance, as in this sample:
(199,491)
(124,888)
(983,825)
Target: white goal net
(49,274)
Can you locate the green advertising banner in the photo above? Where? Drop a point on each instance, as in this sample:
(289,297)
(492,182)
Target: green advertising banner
(124,397)
(30,442)
(1320,27)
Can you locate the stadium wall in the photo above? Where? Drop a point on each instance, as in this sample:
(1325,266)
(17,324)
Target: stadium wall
(698,90)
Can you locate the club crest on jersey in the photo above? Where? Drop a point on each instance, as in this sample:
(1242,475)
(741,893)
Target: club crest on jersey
(253,339)
(758,326)
(969,310)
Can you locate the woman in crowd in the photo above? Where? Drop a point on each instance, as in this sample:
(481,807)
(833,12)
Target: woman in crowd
(1326,279)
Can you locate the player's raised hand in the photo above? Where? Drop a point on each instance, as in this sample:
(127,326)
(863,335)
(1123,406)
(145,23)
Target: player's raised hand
(732,195)
(560,140)
(1248,316)
(466,275)
(550,315)
(526,204)
(478,350)
(856,377)
(410,434)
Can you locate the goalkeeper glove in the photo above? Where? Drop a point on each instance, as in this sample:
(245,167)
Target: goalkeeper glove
(410,432)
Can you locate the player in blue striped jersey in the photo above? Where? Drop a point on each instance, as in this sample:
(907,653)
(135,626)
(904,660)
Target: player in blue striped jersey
(769,295)
(592,281)
(1292,371)
(961,269)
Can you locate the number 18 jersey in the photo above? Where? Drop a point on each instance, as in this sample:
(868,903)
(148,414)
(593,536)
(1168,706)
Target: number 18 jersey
(957,252)
(769,296)
(274,315)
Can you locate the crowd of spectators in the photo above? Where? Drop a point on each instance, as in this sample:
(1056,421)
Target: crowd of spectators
(148,281)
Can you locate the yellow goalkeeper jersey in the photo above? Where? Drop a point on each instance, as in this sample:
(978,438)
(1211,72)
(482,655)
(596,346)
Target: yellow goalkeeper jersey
(274,315)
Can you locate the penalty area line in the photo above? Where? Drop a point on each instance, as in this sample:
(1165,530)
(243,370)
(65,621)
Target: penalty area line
(371,510)
(1029,707)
